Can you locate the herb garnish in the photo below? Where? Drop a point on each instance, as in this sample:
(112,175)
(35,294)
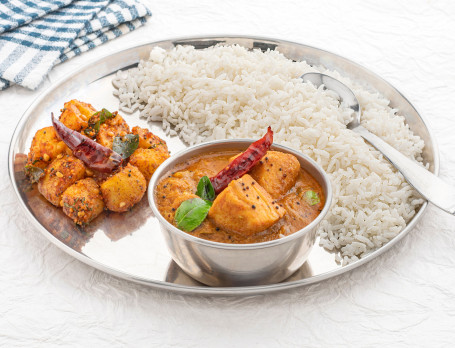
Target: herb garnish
(205,189)
(34,173)
(193,211)
(126,145)
(312,197)
(96,120)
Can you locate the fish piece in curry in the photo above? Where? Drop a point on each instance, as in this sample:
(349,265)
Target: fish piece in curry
(244,207)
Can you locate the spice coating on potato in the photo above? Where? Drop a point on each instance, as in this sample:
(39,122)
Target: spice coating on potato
(148,140)
(110,129)
(82,201)
(124,189)
(46,146)
(244,207)
(75,115)
(61,173)
(147,161)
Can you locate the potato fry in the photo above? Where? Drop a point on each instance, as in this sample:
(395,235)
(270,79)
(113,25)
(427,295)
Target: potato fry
(82,201)
(75,115)
(112,128)
(46,146)
(84,192)
(147,161)
(58,176)
(124,189)
(148,140)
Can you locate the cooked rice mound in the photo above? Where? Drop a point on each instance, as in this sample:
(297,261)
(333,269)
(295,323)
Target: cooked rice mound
(232,92)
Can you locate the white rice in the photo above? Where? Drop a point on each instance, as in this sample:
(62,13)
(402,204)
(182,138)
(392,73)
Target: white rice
(231,92)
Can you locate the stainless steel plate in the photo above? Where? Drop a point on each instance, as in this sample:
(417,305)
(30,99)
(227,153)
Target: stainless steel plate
(131,245)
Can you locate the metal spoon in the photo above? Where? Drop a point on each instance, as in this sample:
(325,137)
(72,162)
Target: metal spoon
(427,184)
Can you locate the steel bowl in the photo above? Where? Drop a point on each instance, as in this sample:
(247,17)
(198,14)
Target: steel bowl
(222,264)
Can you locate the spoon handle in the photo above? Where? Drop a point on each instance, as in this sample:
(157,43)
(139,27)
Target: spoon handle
(427,184)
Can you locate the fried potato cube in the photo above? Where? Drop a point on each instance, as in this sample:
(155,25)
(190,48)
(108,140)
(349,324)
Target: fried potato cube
(147,161)
(124,189)
(60,174)
(113,127)
(46,146)
(82,201)
(75,115)
(148,140)
(244,207)
(276,172)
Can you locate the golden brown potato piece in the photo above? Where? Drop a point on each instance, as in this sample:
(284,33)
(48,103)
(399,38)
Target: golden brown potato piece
(82,201)
(75,114)
(147,161)
(148,140)
(60,174)
(277,172)
(46,146)
(112,128)
(244,207)
(124,189)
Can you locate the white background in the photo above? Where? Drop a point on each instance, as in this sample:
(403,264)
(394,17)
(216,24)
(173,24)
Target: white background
(404,297)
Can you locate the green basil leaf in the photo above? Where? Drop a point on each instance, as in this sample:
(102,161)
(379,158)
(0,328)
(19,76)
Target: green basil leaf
(205,189)
(34,173)
(96,120)
(191,213)
(312,197)
(126,145)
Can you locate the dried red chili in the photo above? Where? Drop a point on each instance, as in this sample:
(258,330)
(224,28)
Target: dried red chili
(94,155)
(243,163)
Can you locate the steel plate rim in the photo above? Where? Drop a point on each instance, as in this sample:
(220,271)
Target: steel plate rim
(230,291)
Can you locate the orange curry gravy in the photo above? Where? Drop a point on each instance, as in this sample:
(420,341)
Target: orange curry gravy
(180,184)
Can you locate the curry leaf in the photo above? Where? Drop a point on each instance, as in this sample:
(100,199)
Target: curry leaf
(34,173)
(191,213)
(105,114)
(96,120)
(126,145)
(312,197)
(205,189)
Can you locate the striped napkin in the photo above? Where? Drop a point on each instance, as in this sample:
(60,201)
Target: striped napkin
(35,35)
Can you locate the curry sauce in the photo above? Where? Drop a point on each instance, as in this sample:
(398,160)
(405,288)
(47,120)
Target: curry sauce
(283,189)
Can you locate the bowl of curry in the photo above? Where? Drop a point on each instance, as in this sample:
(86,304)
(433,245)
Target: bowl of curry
(240,212)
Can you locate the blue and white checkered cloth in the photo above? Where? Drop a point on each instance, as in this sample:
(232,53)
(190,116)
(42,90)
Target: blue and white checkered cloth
(35,35)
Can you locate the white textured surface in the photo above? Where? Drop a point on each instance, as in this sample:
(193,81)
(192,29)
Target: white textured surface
(405,297)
